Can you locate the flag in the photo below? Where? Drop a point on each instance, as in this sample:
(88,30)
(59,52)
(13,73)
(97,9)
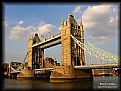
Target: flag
(49,32)
(42,36)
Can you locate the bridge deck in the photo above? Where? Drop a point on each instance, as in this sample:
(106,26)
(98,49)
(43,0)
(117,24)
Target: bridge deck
(87,66)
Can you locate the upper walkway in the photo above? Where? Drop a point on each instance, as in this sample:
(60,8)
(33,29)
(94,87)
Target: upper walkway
(53,40)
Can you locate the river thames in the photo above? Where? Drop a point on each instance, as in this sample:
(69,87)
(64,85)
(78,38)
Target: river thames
(98,83)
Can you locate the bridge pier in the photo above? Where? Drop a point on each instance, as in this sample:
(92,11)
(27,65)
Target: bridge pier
(13,75)
(69,72)
(84,73)
(26,73)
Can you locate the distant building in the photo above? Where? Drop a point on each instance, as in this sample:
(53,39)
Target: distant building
(5,67)
(15,64)
(49,63)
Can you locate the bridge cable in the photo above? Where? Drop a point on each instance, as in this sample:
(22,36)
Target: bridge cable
(95,51)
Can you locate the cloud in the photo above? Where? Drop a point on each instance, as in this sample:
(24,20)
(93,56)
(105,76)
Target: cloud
(21,22)
(44,29)
(21,33)
(77,10)
(5,23)
(101,21)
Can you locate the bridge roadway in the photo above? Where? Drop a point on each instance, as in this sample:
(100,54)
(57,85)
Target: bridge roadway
(98,66)
(53,40)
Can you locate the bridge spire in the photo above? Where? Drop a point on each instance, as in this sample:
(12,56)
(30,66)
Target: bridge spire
(81,25)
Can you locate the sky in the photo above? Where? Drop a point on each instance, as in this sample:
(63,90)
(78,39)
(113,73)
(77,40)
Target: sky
(22,21)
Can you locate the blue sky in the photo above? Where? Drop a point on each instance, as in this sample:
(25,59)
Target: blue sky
(21,21)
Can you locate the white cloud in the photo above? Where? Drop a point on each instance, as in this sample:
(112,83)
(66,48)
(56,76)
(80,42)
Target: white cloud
(5,23)
(77,10)
(21,33)
(21,22)
(45,29)
(101,21)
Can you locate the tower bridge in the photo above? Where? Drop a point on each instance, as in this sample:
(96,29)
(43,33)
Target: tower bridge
(72,54)
(71,38)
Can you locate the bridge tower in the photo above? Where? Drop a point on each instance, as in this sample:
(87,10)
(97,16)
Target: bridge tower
(82,41)
(72,54)
(35,55)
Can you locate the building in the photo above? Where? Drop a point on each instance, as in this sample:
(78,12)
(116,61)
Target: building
(49,63)
(15,64)
(5,67)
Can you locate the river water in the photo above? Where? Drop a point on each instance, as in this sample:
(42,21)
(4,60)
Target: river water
(98,83)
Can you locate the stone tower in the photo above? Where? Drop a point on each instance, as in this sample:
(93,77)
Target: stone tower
(35,55)
(71,52)
(30,43)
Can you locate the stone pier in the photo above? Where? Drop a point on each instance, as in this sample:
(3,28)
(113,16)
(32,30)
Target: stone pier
(69,72)
(26,73)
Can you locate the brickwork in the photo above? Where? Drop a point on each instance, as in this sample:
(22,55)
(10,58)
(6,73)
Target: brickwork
(63,72)
(69,72)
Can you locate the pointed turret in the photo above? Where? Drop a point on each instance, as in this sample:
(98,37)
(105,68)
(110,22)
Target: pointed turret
(70,17)
(36,38)
(62,24)
(81,25)
(62,21)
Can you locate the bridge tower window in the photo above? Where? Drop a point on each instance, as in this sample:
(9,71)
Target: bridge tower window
(65,32)
(65,50)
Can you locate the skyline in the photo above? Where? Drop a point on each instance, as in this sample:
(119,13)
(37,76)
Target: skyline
(21,21)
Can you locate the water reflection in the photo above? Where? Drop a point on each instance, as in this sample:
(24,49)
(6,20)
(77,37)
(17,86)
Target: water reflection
(29,84)
(72,85)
